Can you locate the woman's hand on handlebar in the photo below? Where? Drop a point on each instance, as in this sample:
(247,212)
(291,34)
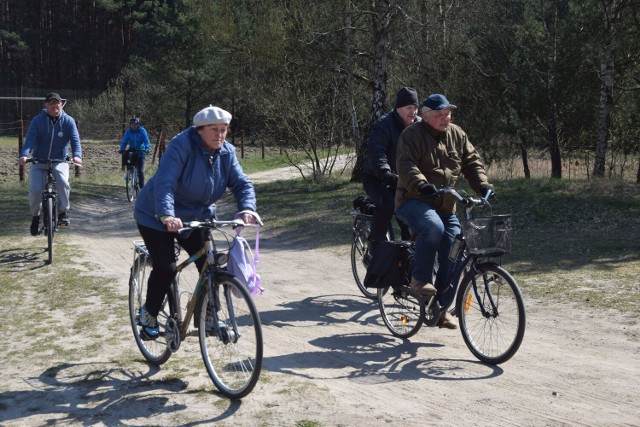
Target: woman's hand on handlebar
(172,223)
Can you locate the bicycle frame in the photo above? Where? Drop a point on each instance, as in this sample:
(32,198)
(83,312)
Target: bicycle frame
(206,276)
(50,195)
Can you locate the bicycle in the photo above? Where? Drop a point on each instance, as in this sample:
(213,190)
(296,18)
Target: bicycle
(49,205)
(131,175)
(488,301)
(226,318)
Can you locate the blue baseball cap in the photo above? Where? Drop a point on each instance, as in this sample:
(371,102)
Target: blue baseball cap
(437,102)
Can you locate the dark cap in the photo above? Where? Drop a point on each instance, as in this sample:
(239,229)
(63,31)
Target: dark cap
(134,119)
(407,96)
(437,102)
(51,96)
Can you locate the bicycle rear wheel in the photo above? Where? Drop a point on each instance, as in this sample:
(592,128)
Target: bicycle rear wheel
(155,351)
(231,347)
(492,322)
(401,312)
(49,226)
(359,247)
(129,179)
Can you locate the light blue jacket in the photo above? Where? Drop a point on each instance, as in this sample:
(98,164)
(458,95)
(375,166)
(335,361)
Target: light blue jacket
(190,180)
(43,137)
(137,140)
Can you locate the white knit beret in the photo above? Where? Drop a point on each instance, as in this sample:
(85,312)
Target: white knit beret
(211,116)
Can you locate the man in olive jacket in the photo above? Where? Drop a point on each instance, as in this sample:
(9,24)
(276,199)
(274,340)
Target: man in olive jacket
(432,154)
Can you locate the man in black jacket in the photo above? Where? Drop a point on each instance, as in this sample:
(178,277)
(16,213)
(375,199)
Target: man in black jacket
(380,177)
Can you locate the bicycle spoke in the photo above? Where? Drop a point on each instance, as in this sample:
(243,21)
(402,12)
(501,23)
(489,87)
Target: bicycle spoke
(492,319)
(154,351)
(401,312)
(231,346)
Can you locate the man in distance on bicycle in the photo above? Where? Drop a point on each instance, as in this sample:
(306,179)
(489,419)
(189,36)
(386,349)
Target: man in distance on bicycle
(195,171)
(47,138)
(433,154)
(380,177)
(135,143)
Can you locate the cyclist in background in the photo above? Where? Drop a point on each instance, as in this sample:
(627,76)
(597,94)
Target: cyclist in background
(47,138)
(380,178)
(136,140)
(195,171)
(433,154)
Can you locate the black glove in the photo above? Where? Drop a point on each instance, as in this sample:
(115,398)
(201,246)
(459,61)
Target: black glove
(427,189)
(120,151)
(484,189)
(391,179)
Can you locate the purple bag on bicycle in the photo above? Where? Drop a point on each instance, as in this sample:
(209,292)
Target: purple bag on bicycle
(243,262)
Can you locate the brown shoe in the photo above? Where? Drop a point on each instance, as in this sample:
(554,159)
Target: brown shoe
(447,321)
(421,288)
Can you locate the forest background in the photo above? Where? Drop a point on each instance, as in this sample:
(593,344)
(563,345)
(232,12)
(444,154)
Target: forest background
(551,79)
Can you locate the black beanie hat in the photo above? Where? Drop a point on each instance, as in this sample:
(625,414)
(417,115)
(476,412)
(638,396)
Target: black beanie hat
(407,96)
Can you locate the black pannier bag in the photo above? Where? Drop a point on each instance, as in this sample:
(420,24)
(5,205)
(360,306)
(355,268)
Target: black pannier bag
(364,204)
(390,265)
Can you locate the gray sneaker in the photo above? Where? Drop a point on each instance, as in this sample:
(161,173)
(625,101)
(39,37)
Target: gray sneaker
(63,219)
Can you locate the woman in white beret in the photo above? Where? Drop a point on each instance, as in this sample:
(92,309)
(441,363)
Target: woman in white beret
(196,169)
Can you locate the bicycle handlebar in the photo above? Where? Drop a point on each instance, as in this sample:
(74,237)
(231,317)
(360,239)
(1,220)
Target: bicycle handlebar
(53,161)
(469,202)
(214,223)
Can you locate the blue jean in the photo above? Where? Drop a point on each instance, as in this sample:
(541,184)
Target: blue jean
(37,181)
(435,234)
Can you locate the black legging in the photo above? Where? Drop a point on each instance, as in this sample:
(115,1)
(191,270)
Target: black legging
(383,198)
(160,245)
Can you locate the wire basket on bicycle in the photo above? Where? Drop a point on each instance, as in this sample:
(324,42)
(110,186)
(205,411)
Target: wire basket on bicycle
(488,235)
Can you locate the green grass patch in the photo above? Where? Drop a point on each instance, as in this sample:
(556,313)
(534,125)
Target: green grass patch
(256,159)
(565,233)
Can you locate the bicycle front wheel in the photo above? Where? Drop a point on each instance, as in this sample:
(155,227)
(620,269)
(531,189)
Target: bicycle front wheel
(129,179)
(231,346)
(155,351)
(401,312)
(49,225)
(492,321)
(136,183)
(360,257)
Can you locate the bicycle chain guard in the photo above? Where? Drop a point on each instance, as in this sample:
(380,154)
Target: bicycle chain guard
(432,313)
(173,335)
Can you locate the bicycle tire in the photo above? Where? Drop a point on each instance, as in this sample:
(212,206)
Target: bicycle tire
(402,313)
(156,351)
(136,186)
(129,183)
(359,246)
(496,336)
(232,355)
(49,224)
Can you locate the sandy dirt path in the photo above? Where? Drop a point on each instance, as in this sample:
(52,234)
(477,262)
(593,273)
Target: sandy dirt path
(328,359)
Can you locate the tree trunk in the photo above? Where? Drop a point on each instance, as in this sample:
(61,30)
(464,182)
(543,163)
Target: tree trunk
(606,91)
(381,21)
(355,129)
(554,148)
(525,157)
(604,116)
